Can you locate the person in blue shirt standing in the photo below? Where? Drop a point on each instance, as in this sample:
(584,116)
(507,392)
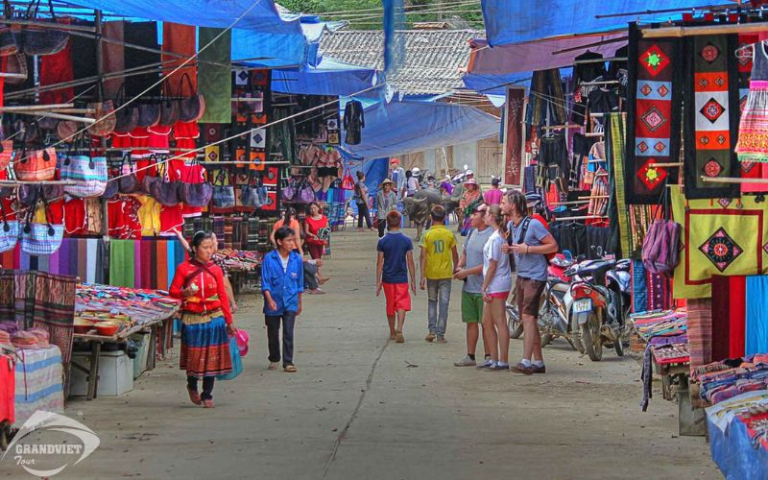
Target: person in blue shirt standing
(282,282)
(394,264)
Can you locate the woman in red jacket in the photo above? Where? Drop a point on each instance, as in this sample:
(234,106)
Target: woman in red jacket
(206,319)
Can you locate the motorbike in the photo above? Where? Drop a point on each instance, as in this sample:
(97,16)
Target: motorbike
(600,305)
(554,306)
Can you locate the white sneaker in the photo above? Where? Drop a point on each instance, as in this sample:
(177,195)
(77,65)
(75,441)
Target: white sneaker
(465,362)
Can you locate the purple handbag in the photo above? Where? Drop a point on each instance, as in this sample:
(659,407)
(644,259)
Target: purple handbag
(306,194)
(128,182)
(289,192)
(165,191)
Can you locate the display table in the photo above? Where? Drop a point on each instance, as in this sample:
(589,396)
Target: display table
(151,311)
(738,450)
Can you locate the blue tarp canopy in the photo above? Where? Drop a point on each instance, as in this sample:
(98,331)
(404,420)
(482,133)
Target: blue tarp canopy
(514,21)
(330,77)
(405,127)
(267,33)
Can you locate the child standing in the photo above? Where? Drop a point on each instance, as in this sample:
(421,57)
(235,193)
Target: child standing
(393,267)
(282,282)
(439,259)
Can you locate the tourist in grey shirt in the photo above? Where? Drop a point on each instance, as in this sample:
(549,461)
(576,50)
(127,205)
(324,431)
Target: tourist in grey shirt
(471,271)
(532,270)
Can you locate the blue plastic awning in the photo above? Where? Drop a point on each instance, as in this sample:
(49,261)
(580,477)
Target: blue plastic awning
(514,21)
(264,36)
(330,77)
(400,128)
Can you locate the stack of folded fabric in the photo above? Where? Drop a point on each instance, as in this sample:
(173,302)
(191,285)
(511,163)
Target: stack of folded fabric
(723,380)
(24,340)
(9,326)
(141,305)
(42,335)
(5,337)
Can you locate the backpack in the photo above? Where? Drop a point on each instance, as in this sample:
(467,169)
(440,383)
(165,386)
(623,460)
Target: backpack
(660,252)
(526,222)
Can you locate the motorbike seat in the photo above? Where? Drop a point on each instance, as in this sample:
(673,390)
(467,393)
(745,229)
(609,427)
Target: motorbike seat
(561,287)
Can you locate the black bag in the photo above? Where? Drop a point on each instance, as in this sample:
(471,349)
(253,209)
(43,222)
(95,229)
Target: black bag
(511,241)
(42,41)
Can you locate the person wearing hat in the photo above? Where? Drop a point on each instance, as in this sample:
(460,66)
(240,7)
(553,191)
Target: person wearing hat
(469,202)
(397,174)
(414,185)
(386,201)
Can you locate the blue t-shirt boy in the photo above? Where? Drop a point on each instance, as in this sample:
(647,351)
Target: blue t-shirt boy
(395,247)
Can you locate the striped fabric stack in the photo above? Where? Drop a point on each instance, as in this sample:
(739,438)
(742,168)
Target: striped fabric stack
(39,375)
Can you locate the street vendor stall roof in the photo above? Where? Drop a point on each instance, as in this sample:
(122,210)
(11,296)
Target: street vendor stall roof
(515,21)
(330,77)
(405,127)
(267,34)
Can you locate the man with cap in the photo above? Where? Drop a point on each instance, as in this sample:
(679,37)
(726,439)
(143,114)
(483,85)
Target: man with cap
(386,201)
(397,174)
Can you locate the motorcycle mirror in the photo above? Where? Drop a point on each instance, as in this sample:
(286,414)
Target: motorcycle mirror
(581,258)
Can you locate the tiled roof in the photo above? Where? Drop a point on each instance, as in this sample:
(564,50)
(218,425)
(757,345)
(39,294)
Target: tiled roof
(432,61)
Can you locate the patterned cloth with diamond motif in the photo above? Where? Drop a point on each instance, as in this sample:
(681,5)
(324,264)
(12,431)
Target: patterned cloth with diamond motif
(728,237)
(653,122)
(711,114)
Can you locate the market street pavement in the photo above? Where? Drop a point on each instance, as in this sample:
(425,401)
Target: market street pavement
(361,407)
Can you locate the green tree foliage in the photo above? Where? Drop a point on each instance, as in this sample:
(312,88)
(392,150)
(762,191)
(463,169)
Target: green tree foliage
(366,14)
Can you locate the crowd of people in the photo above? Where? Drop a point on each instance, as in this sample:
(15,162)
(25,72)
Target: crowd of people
(506,248)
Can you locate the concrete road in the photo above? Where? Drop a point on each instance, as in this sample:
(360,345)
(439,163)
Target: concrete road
(361,407)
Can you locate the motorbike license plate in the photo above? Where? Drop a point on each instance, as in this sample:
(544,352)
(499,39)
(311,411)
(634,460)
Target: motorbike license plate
(582,306)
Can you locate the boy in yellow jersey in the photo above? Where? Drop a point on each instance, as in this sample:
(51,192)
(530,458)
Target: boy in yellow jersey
(439,259)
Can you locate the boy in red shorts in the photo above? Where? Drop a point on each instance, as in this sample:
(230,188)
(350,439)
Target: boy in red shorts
(393,268)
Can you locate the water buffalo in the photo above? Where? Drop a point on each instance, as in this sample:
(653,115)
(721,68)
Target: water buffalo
(420,204)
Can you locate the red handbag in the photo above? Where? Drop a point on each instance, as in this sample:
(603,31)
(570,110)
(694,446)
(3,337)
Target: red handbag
(36,166)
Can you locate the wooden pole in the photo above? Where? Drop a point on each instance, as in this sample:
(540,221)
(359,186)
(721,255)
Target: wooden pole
(679,32)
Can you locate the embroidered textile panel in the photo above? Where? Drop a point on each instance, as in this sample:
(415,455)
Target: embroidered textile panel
(653,118)
(718,238)
(712,114)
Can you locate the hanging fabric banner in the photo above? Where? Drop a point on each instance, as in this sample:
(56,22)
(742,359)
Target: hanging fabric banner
(615,148)
(711,114)
(728,237)
(215,81)
(513,137)
(653,118)
(749,169)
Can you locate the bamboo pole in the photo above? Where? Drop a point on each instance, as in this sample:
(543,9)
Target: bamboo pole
(733,180)
(680,32)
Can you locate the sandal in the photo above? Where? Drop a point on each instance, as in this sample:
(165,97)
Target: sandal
(400,338)
(194,396)
(208,403)
(290,368)
(272,366)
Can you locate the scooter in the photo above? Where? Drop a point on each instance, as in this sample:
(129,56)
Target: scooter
(600,305)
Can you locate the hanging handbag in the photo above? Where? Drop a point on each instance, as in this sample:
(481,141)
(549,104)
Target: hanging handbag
(66,130)
(149,114)
(195,194)
(113,184)
(289,192)
(41,238)
(306,193)
(28,195)
(347,183)
(105,118)
(126,117)
(253,196)
(169,109)
(148,182)
(6,152)
(223,195)
(36,166)
(30,132)
(89,175)
(8,41)
(42,41)
(165,191)
(128,182)
(9,232)
(191,109)
(16,65)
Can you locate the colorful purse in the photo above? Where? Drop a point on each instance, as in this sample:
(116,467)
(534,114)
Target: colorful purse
(89,175)
(306,194)
(41,238)
(9,232)
(195,194)
(36,166)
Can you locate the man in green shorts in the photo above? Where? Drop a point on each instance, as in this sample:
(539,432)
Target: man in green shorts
(471,271)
